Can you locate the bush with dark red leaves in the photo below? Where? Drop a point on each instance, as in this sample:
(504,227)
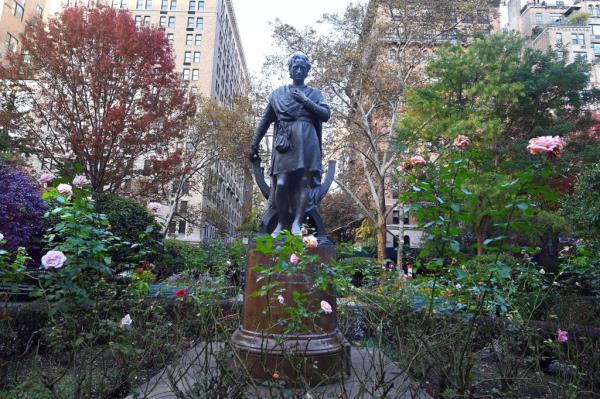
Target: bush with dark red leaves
(21,208)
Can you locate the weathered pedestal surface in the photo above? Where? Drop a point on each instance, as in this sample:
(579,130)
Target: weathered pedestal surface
(318,354)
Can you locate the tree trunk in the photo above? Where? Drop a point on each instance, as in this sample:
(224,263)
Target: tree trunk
(399,261)
(381,230)
(481,233)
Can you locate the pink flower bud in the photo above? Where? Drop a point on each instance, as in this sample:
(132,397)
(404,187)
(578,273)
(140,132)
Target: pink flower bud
(326,307)
(294,259)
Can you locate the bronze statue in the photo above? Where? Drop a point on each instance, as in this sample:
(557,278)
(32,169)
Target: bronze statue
(298,112)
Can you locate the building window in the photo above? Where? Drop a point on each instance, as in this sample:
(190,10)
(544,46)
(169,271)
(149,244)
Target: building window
(196,57)
(172,227)
(406,240)
(190,23)
(139,4)
(147,20)
(148,4)
(580,56)
(183,207)
(38,10)
(138,20)
(577,38)
(395,217)
(115,3)
(123,4)
(189,39)
(164,5)
(595,29)
(185,187)
(559,39)
(538,18)
(597,11)
(199,22)
(163,21)
(147,165)
(18,10)
(406,216)
(171,22)
(195,74)
(189,146)
(200,5)
(186,74)
(560,3)
(198,40)
(11,42)
(170,38)
(393,55)
(556,18)
(173,5)
(187,57)
(192,5)
(596,53)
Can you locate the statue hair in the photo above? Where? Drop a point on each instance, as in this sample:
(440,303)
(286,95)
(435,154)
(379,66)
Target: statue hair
(298,56)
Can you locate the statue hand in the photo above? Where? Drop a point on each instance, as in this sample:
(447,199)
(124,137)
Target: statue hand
(253,155)
(299,96)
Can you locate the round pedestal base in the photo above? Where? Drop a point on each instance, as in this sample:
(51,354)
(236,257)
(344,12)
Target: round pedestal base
(313,358)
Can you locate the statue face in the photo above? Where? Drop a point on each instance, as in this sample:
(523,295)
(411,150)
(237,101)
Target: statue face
(298,70)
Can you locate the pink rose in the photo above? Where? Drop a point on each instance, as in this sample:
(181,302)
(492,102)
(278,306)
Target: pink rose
(551,146)
(281,299)
(462,142)
(562,336)
(154,207)
(326,307)
(294,259)
(126,321)
(310,241)
(80,181)
(53,260)
(46,178)
(417,160)
(64,189)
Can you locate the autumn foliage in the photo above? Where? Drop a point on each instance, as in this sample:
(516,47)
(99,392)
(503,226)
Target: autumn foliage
(106,93)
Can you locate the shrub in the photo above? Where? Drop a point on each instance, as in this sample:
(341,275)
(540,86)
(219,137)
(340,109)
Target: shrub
(132,223)
(181,255)
(127,218)
(21,208)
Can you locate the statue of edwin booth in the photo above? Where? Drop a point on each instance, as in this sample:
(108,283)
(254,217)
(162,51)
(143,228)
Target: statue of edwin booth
(298,112)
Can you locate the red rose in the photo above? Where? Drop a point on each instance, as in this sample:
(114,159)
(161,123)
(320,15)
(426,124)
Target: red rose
(181,293)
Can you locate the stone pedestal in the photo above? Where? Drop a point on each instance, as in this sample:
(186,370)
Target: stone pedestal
(317,354)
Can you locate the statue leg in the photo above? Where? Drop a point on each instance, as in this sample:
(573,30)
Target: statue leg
(302,196)
(281,202)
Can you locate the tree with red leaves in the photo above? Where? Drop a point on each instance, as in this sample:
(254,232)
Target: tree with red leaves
(105,94)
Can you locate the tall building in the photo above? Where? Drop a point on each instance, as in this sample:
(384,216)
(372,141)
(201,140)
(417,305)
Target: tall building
(209,56)
(14,17)
(570,27)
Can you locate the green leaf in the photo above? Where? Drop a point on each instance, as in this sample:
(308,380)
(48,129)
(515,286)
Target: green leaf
(455,246)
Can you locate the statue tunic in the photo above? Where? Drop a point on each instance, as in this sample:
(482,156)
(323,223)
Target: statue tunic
(305,130)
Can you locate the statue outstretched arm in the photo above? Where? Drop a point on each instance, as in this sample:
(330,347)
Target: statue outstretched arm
(266,120)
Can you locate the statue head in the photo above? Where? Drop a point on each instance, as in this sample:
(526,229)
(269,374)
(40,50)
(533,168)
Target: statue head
(298,58)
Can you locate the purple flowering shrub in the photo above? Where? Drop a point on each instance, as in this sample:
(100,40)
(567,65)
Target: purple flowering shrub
(21,208)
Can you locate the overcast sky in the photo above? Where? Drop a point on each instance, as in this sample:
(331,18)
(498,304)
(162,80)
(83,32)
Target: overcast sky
(253,17)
